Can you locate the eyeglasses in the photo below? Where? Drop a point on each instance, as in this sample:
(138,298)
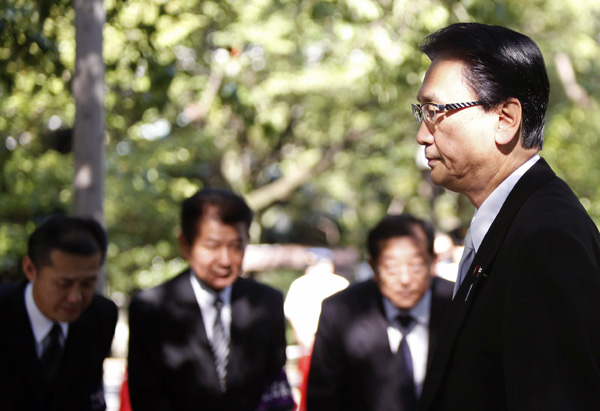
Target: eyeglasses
(429,111)
(414,270)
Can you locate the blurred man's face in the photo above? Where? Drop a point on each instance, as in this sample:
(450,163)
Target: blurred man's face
(64,289)
(403,270)
(217,252)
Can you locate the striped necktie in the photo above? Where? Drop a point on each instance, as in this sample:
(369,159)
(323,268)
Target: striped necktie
(52,353)
(220,345)
(465,261)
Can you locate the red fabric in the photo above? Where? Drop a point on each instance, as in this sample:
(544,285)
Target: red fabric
(125,403)
(303,367)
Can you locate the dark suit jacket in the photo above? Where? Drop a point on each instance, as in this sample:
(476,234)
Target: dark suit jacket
(352,366)
(171,366)
(79,380)
(527,334)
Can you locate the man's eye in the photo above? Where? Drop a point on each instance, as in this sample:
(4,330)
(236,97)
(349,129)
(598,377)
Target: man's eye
(88,284)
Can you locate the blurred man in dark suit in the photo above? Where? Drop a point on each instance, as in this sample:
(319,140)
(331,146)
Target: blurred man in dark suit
(208,339)
(56,330)
(375,337)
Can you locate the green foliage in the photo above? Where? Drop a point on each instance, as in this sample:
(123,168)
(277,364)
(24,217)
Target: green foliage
(303,107)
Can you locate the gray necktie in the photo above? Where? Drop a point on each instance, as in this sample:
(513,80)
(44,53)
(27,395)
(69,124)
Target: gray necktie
(220,345)
(465,261)
(407,379)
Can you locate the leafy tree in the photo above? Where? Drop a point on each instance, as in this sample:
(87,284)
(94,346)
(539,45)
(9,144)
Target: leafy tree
(303,107)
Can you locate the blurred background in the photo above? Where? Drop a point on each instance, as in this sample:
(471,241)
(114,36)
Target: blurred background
(301,106)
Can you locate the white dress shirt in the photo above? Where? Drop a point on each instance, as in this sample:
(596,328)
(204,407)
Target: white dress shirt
(206,300)
(487,212)
(40,324)
(417,338)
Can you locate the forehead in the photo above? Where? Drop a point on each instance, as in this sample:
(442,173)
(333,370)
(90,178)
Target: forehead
(444,83)
(74,266)
(404,247)
(215,229)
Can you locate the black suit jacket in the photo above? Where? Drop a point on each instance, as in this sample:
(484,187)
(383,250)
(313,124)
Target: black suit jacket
(523,332)
(171,366)
(79,384)
(352,366)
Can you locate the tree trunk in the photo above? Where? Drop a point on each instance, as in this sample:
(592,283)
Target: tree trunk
(89,129)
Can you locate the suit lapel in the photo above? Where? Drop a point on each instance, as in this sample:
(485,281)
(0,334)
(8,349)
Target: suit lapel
(374,325)
(441,294)
(197,344)
(21,344)
(480,270)
(75,371)
(240,313)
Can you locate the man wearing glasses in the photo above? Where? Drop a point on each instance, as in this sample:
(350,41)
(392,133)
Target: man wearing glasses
(374,338)
(522,331)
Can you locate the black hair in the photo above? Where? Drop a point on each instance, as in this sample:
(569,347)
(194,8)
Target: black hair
(73,235)
(226,206)
(501,64)
(399,225)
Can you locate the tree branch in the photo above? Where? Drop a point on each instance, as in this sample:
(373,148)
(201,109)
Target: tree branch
(566,74)
(280,189)
(196,112)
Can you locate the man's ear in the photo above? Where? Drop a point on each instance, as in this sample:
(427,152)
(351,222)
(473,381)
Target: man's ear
(510,114)
(184,247)
(432,266)
(373,265)
(29,268)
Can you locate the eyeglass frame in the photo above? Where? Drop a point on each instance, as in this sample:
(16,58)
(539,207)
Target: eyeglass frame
(414,270)
(418,109)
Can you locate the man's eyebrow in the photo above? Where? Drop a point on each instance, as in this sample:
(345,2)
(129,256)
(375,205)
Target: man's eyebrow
(427,98)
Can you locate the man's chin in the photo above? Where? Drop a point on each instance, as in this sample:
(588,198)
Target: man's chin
(441,179)
(221,282)
(68,316)
(436,177)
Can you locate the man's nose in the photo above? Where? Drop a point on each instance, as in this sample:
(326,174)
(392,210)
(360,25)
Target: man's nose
(224,256)
(424,134)
(75,295)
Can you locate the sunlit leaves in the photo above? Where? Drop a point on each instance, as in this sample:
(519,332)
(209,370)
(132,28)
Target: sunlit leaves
(249,93)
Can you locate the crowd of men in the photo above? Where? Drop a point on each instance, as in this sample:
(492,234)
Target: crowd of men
(518,330)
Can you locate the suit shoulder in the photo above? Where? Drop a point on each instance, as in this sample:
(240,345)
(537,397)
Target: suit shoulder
(359,293)
(253,287)
(162,292)
(103,308)
(544,212)
(442,288)
(358,288)
(8,290)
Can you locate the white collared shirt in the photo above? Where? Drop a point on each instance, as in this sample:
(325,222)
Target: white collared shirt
(417,338)
(486,214)
(40,324)
(206,300)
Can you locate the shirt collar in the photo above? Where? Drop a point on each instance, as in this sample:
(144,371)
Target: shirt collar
(205,295)
(487,212)
(420,311)
(40,324)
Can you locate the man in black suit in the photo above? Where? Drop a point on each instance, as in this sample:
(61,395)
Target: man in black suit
(365,357)
(56,331)
(208,339)
(522,331)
